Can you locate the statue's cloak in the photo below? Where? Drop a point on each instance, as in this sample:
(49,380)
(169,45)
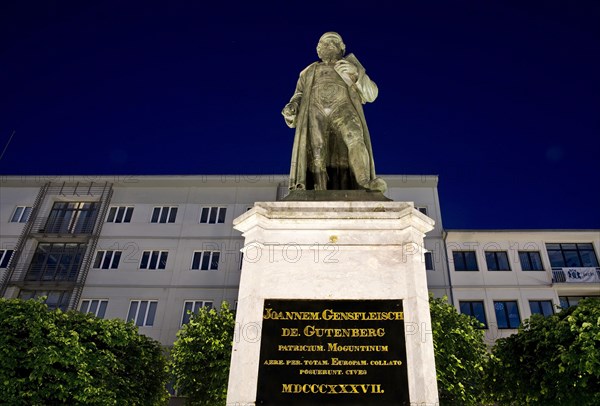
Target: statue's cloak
(364,90)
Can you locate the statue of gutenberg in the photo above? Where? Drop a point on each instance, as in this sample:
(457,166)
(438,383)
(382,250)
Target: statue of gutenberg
(332,147)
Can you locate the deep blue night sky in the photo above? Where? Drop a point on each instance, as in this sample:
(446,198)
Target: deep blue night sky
(502,101)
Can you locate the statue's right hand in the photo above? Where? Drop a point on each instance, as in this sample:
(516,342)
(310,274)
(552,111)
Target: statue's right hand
(289,114)
(289,110)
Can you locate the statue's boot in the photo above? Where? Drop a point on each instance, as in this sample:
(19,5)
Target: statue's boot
(362,172)
(359,162)
(374,185)
(378,184)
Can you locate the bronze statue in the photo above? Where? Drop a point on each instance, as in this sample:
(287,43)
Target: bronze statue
(332,147)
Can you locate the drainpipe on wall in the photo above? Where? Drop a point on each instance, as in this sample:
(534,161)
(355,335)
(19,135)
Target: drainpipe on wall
(444,235)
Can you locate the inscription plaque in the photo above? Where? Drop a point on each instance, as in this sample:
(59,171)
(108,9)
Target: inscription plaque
(333,352)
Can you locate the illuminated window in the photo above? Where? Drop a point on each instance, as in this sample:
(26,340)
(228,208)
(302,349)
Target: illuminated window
(72,218)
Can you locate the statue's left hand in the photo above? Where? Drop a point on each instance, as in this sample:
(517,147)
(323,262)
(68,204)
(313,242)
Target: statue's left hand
(346,68)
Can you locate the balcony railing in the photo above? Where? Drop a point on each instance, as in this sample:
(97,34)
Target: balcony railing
(576,275)
(64,226)
(45,274)
(36,273)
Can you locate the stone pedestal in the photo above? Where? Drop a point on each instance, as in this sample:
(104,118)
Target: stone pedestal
(333,251)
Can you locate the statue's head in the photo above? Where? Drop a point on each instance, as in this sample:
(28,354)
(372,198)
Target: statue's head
(331,47)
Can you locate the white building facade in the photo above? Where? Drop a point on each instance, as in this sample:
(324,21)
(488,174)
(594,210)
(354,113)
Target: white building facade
(150,248)
(502,277)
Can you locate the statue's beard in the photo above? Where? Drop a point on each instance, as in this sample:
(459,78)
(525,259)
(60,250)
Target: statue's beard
(330,54)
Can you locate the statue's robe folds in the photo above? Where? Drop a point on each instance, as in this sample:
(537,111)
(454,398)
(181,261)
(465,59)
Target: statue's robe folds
(361,92)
